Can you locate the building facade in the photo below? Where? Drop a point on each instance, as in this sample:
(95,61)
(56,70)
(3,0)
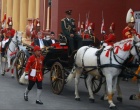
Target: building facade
(51,12)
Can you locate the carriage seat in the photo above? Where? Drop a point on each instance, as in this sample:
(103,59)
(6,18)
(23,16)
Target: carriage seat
(63,40)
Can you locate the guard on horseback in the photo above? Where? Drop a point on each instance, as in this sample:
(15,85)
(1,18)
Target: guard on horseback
(129,30)
(36,29)
(69,31)
(8,34)
(110,39)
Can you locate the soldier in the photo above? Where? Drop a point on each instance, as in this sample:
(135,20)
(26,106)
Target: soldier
(34,73)
(8,34)
(110,39)
(36,29)
(9,29)
(129,30)
(91,28)
(69,30)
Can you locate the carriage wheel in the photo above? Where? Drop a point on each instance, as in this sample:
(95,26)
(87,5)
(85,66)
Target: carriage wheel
(57,78)
(20,64)
(96,84)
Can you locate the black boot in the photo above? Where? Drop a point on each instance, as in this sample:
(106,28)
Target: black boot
(39,102)
(26,94)
(25,97)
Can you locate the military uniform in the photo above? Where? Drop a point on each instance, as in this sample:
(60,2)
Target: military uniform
(35,63)
(68,27)
(110,39)
(9,33)
(129,30)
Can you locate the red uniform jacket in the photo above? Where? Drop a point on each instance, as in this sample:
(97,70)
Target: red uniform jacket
(35,63)
(110,39)
(129,33)
(12,31)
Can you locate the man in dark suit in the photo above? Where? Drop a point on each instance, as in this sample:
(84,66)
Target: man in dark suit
(52,39)
(40,41)
(69,30)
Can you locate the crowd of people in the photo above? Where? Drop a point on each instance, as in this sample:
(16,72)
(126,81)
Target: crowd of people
(35,62)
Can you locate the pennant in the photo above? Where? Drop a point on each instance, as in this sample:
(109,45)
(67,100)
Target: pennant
(107,53)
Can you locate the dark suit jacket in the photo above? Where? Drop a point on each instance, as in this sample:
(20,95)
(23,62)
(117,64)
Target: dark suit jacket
(36,42)
(49,42)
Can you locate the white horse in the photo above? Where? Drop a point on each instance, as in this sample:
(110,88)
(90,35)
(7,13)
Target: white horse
(111,60)
(11,53)
(119,92)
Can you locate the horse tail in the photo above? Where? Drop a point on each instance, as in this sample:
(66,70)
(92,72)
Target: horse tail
(71,75)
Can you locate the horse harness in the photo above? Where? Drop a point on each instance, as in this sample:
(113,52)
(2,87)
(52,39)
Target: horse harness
(99,66)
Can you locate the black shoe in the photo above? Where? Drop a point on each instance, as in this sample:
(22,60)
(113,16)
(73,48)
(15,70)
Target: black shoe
(39,102)
(25,97)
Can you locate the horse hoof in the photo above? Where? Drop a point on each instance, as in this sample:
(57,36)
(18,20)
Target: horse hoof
(119,99)
(12,76)
(132,97)
(77,99)
(92,100)
(3,74)
(102,98)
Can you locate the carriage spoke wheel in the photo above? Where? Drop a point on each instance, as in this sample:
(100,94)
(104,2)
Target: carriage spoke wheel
(57,78)
(96,84)
(20,64)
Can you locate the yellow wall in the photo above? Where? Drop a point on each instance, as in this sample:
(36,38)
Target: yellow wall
(20,11)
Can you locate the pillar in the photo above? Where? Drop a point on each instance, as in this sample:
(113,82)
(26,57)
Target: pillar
(32,9)
(9,8)
(23,15)
(16,18)
(3,8)
(37,8)
(48,18)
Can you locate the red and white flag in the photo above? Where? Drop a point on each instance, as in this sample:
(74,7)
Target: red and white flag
(103,27)
(86,23)
(4,21)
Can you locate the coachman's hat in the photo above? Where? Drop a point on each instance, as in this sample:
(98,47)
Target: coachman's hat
(37,48)
(68,12)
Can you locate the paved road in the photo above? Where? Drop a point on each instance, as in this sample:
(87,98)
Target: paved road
(11,97)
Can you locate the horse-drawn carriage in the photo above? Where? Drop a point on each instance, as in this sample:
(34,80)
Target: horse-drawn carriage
(57,63)
(60,65)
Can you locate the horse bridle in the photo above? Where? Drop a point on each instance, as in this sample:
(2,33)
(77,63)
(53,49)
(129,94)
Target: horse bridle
(16,43)
(136,48)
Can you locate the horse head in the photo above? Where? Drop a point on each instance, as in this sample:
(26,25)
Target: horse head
(136,46)
(18,37)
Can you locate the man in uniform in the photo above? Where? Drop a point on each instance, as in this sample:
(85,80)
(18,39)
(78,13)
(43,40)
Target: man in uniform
(110,39)
(8,34)
(33,72)
(69,30)
(129,30)
(9,29)
(35,31)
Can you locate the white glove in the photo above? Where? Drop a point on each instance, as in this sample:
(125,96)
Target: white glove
(26,76)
